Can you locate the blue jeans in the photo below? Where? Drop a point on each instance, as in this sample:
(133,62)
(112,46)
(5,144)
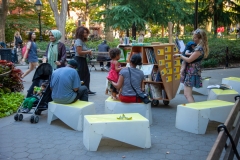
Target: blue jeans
(82,94)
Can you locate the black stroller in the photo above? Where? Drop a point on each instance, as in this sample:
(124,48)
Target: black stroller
(42,74)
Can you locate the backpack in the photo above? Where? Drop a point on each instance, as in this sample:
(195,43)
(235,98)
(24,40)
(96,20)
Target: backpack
(24,50)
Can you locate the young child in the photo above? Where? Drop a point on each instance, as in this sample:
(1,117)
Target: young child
(114,70)
(187,52)
(28,102)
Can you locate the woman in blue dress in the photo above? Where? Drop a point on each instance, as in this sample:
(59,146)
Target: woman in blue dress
(31,53)
(193,69)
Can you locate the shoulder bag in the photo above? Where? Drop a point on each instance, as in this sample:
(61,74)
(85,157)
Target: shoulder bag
(143,96)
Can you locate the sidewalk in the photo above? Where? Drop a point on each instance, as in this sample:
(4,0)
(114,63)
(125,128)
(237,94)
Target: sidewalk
(23,140)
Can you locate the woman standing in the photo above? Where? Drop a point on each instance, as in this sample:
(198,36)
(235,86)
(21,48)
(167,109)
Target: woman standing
(31,53)
(56,50)
(193,69)
(17,40)
(80,56)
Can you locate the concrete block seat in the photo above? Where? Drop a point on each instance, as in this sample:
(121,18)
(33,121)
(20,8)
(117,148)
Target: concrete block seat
(234,82)
(115,106)
(71,114)
(194,117)
(225,95)
(203,90)
(135,131)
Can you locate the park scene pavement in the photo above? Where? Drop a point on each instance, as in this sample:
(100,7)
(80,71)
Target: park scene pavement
(23,140)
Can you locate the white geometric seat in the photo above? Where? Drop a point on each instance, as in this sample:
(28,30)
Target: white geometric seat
(71,114)
(115,106)
(194,117)
(135,131)
(234,82)
(225,95)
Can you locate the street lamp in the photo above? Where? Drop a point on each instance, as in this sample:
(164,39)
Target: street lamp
(39,5)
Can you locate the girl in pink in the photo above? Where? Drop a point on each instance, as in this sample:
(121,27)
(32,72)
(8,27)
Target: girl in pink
(114,70)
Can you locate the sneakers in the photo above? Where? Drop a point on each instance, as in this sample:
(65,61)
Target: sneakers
(102,69)
(90,92)
(25,110)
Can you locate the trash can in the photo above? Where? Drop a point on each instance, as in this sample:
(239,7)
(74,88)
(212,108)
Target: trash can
(6,54)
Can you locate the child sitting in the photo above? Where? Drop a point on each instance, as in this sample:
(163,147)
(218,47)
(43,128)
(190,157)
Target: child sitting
(187,52)
(114,70)
(28,102)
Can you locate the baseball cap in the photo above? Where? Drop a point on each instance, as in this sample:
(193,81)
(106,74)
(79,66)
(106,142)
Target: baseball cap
(73,63)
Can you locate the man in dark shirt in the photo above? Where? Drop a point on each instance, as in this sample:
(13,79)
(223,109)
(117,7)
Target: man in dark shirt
(103,47)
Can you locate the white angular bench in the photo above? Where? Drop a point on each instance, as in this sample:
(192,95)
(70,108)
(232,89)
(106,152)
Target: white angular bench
(234,82)
(135,132)
(71,114)
(225,95)
(203,90)
(115,106)
(194,117)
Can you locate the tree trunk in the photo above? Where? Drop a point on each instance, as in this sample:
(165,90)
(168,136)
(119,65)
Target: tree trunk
(134,31)
(162,31)
(87,16)
(3,15)
(60,15)
(127,33)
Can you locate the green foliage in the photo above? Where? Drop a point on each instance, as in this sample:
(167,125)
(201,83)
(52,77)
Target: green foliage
(9,102)
(42,45)
(209,63)
(13,80)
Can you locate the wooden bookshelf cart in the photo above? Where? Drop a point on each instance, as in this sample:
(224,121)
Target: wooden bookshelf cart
(168,66)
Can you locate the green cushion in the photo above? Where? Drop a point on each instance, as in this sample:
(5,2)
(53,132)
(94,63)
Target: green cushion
(208,104)
(113,118)
(233,79)
(224,92)
(77,104)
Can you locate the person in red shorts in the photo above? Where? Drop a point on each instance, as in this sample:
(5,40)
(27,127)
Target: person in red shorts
(128,95)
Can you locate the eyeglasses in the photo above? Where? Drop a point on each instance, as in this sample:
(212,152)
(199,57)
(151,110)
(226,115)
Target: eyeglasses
(50,35)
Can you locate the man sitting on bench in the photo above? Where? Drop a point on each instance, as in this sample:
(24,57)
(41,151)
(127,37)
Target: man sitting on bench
(66,85)
(103,47)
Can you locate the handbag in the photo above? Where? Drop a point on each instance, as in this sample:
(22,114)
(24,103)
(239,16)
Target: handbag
(143,96)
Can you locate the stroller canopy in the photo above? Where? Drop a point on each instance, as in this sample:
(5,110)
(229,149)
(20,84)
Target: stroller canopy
(44,72)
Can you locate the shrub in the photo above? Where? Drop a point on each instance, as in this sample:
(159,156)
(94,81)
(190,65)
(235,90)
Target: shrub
(11,81)
(9,102)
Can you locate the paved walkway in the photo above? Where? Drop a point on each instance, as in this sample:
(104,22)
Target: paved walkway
(23,140)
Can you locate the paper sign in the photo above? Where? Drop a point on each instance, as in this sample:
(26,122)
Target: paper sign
(147,69)
(176,69)
(182,45)
(169,79)
(168,49)
(168,64)
(168,57)
(169,71)
(161,62)
(177,62)
(177,76)
(160,52)
(175,49)
(163,72)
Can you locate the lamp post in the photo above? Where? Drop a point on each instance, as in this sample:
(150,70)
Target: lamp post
(39,5)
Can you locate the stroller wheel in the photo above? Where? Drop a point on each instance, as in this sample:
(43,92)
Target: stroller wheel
(20,117)
(16,117)
(36,119)
(32,119)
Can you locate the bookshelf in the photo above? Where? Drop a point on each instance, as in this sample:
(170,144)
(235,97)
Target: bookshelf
(167,67)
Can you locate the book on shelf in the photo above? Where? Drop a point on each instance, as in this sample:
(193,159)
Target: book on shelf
(150,55)
(156,91)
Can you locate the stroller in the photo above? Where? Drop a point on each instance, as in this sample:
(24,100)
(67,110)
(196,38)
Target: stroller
(42,74)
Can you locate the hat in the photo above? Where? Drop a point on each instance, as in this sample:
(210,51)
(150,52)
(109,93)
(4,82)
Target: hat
(136,59)
(191,43)
(73,63)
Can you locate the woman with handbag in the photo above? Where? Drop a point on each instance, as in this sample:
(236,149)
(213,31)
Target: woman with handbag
(56,50)
(130,82)
(31,53)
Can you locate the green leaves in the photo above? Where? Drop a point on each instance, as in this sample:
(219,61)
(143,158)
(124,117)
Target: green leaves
(9,102)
